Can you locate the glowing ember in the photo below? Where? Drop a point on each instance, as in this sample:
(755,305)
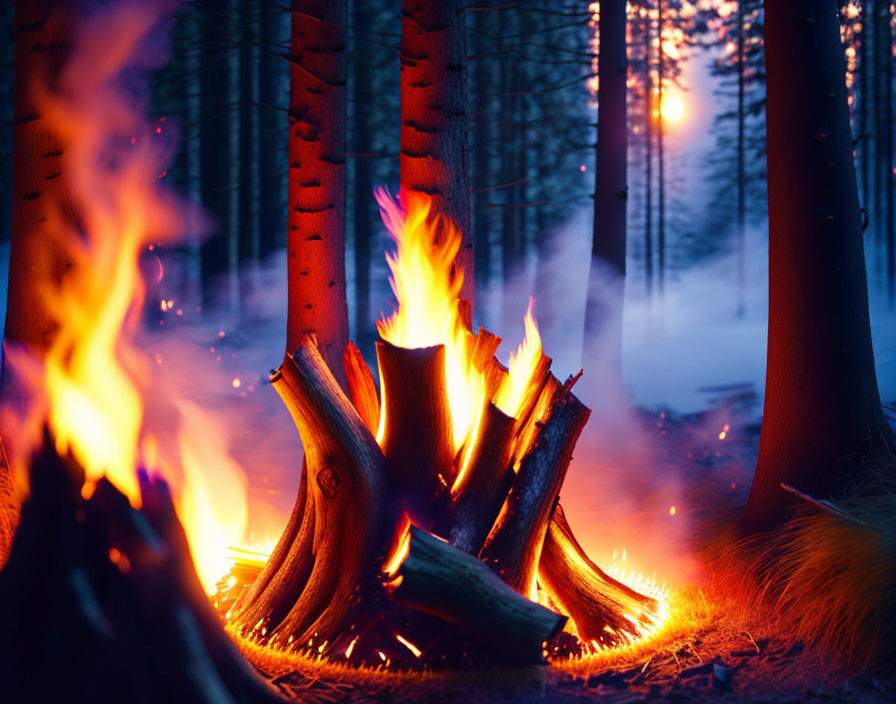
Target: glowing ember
(410,646)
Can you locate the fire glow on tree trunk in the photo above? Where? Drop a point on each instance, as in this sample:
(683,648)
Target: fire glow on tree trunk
(434,152)
(316,220)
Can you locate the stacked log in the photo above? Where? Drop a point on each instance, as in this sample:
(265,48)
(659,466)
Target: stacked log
(396,534)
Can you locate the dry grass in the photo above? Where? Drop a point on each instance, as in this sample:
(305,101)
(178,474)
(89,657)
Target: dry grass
(825,579)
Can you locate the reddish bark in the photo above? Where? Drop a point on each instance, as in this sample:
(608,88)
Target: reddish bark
(316,236)
(38,194)
(433,114)
(821,403)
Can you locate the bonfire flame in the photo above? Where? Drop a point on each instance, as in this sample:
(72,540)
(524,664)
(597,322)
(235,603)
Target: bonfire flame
(427,284)
(88,386)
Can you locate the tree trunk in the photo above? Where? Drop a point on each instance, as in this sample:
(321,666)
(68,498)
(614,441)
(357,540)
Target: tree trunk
(316,236)
(247,237)
(648,158)
(363,185)
(741,174)
(215,146)
(661,156)
(433,115)
(821,401)
(38,188)
(270,220)
(606,281)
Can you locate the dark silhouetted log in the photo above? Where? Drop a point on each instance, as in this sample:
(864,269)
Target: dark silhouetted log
(417,435)
(102,603)
(441,580)
(346,481)
(276,595)
(513,546)
(361,388)
(592,599)
(482,483)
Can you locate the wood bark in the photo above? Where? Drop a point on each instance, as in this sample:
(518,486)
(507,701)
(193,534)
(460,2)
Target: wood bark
(316,221)
(361,387)
(611,155)
(513,545)
(434,152)
(273,593)
(416,434)
(594,600)
(483,482)
(39,200)
(821,401)
(346,481)
(441,580)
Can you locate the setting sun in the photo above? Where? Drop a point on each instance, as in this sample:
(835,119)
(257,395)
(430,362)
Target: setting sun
(672,108)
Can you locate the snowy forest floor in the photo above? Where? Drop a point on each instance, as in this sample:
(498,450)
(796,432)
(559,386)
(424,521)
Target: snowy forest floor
(724,650)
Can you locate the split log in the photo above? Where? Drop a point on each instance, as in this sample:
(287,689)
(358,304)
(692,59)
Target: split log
(346,482)
(286,572)
(102,603)
(482,483)
(361,387)
(529,410)
(527,426)
(604,611)
(513,546)
(441,580)
(416,433)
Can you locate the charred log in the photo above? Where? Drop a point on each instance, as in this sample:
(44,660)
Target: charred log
(441,580)
(513,546)
(416,433)
(482,483)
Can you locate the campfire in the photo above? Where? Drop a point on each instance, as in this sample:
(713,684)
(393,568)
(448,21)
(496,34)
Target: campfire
(428,530)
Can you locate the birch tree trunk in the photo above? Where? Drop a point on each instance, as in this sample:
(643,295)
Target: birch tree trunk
(38,188)
(433,114)
(316,235)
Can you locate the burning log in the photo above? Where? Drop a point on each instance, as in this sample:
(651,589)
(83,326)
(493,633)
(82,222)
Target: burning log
(605,611)
(483,482)
(102,602)
(345,487)
(272,595)
(467,449)
(361,388)
(513,546)
(441,580)
(416,433)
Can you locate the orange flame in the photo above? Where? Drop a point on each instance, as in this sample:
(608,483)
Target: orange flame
(426,286)
(520,367)
(89,385)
